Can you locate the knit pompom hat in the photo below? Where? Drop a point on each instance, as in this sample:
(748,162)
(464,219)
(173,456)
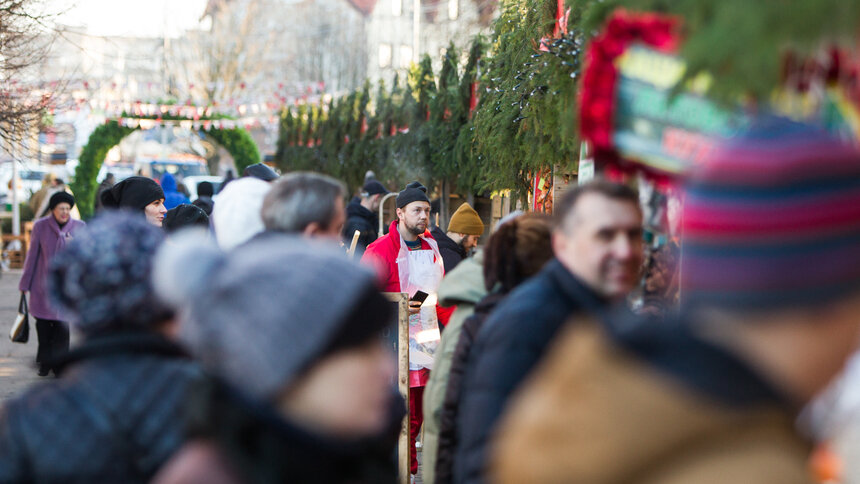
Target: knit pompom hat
(263,313)
(771,220)
(102,277)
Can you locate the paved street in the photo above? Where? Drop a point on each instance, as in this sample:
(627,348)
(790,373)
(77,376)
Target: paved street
(17,370)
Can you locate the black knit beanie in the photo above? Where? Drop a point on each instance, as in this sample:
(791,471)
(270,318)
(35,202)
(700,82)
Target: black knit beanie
(414,192)
(134,192)
(185,215)
(61,197)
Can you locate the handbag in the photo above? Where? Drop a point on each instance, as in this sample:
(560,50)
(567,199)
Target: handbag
(20,332)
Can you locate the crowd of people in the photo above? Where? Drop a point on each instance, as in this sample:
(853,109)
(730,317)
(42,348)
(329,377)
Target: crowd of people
(235,340)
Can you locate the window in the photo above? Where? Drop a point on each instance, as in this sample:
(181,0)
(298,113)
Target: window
(384,55)
(405,56)
(396,7)
(453,9)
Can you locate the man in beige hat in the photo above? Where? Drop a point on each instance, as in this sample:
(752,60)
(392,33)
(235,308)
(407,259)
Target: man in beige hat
(464,230)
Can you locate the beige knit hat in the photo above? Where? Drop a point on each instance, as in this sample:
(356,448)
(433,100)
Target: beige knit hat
(466,221)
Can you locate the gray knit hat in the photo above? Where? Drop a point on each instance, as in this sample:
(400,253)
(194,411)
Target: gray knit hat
(264,312)
(102,277)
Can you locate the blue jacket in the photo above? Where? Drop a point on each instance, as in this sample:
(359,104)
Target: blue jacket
(172,197)
(512,340)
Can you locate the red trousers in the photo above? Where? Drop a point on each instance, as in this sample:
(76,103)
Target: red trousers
(416,418)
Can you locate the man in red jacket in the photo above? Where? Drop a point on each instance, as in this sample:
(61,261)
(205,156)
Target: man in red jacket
(408,260)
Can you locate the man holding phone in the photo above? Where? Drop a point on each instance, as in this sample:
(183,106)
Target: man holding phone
(408,260)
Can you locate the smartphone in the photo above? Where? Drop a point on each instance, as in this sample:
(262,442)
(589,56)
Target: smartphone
(419,296)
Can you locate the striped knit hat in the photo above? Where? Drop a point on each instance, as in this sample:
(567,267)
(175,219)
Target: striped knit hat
(772,220)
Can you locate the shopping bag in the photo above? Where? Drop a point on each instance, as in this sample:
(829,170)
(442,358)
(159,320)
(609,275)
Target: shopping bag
(20,332)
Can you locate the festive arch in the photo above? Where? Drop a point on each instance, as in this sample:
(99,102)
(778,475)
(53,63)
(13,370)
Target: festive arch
(236,141)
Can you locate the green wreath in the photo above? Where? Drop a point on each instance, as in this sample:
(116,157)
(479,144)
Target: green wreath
(236,141)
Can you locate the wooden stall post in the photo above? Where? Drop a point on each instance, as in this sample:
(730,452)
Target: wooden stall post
(402,342)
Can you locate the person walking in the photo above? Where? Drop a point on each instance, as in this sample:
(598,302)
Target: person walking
(768,317)
(115,413)
(464,230)
(185,216)
(58,186)
(49,182)
(408,260)
(598,248)
(204,200)
(236,218)
(50,235)
(139,194)
(307,204)
(172,197)
(516,251)
(362,215)
(106,184)
(297,395)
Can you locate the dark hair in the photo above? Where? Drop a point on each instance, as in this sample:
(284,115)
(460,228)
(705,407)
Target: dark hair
(300,199)
(616,191)
(205,189)
(517,251)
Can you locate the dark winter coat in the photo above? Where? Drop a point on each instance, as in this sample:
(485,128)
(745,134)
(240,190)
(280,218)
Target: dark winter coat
(240,440)
(114,415)
(453,391)
(652,404)
(104,185)
(452,252)
(510,343)
(365,221)
(206,203)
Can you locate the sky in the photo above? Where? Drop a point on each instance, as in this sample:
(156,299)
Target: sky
(146,18)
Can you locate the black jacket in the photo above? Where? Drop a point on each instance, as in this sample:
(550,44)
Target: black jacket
(114,415)
(262,447)
(510,343)
(453,392)
(363,220)
(452,252)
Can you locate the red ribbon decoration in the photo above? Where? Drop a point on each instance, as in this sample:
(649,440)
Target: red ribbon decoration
(597,102)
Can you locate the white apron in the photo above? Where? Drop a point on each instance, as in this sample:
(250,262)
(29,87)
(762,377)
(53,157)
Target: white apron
(421,270)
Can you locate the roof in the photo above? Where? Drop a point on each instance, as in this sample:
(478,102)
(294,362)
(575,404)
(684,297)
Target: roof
(364,6)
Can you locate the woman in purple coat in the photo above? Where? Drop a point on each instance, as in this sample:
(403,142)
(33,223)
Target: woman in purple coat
(50,235)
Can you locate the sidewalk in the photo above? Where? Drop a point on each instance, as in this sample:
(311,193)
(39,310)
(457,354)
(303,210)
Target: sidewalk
(17,361)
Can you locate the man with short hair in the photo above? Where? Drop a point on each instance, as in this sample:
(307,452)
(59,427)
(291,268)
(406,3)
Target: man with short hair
(770,293)
(307,204)
(464,230)
(407,260)
(205,191)
(362,216)
(598,250)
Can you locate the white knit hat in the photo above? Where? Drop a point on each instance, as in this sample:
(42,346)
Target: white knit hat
(236,217)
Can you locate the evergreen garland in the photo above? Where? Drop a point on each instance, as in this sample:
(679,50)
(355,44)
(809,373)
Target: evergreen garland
(236,141)
(93,154)
(528,78)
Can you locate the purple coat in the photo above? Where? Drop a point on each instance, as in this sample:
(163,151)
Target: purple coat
(46,240)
